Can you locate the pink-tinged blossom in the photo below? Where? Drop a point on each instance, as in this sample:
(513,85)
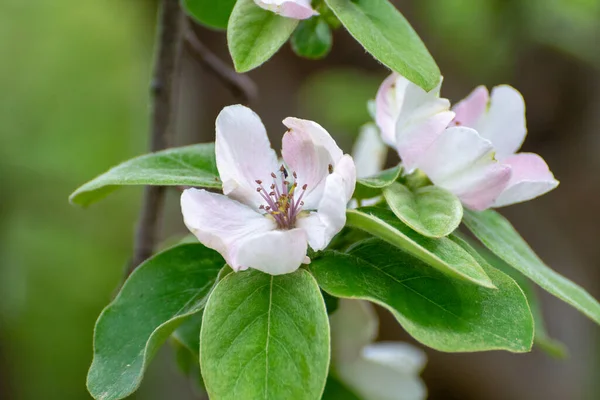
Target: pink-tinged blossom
(269,213)
(500,118)
(410,119)
(296,9)
(374,371)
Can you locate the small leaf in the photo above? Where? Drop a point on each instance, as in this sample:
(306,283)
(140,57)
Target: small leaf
(254,34)
(443,313)
(371,186)
(312,38)
(187,166)
(430,210)
(211,13)
(385,33)
(441,253)
(153,302)
(265,337)
(498,235)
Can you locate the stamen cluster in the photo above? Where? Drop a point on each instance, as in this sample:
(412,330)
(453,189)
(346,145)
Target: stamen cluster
(281,200)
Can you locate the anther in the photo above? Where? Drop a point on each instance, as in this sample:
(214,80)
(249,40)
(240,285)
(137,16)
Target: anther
(330,169)
(258,189)
(273,175)
(294,175)
(258,181)
(304,186)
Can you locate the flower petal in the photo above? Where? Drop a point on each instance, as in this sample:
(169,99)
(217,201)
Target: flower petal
(276,252)
(410,118)
(311,152)
(243,154)
(369,151)
(374,381)
(354,325)
(402,357)
(220,223)
(321,226)
(463,162)
(530,178)
(471,109)
(504,123)
(296,9)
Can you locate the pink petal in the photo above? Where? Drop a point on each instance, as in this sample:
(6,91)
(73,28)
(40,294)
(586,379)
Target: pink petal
(504,123)
(463,162)
(222,224)
(276,252)
(531,178)
(311,152)
(243,154)
(469,110)
(296,9)
(386,109)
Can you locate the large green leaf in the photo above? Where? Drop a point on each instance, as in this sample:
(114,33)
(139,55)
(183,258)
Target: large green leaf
(265,337)
(441,253)
(386,34)
(443,313)
(187,166)
(156,298)
(542,339)
(498,235)
(429,210)
(211,13)
(254,34)
(312,39)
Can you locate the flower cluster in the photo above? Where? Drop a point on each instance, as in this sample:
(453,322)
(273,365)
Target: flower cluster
(270,210)
(472,150)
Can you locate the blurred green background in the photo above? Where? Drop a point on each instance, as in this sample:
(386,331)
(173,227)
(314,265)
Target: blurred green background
(74,78)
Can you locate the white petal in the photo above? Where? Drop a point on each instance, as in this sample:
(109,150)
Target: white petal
(243,154)
(410,118)
(276,252)
(369,151)
(504,123)
(311,152)
(530,178)
(402,357)
(470,110)
(354,325)
(463,162)
(374,381)
(220,223)
(321,226)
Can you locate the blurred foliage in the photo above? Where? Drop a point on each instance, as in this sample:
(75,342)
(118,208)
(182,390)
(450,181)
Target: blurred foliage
(74,77)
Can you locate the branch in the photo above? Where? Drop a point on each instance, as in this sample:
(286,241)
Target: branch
(241,86)
(163,95)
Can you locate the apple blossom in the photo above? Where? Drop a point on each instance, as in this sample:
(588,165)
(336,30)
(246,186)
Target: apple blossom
(375,371)
(410,118)
(270,212)
(296,9)
(500,118)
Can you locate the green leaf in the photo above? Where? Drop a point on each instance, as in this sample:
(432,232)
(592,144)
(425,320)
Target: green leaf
(542,339)
(153,302)
(187,166)
(312,38)
(254,34)
(443,313)
(266,337)
(442,253)
(336,390)
(386,34)
(213,14)
(430,210)
(371,186)
(498,235)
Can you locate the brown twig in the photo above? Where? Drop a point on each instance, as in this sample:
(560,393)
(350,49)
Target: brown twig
(241,86)
(170,30)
